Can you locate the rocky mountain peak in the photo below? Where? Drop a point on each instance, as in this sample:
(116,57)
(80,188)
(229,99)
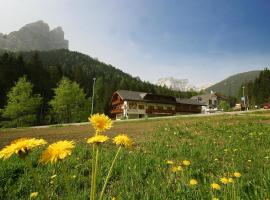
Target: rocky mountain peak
(34,36)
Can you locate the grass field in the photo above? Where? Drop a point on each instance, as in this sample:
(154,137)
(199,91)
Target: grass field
(216,146)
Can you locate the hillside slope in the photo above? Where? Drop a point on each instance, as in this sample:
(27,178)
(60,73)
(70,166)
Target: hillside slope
(231,85)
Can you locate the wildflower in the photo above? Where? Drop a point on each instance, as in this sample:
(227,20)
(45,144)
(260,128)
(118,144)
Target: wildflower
(215,186)
(193,182)
(186,162)
(169,162)
(100,122)
(113,198)
(122,140)
(249,160)
(176,169)
(74,176)
(33,195)
(231,180)
(97,139)
(237,174)
(214,198)
(224,180)
(57,151)
(21,147)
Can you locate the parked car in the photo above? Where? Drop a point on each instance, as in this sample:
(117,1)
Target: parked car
(266,106)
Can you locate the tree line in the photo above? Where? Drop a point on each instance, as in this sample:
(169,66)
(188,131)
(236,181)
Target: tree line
(58,86)
(257,92)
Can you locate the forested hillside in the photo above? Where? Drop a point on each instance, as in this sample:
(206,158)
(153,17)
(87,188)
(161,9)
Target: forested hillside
(257,92)
(45,69)
(230,85)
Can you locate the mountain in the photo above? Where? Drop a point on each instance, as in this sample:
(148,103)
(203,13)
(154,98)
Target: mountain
(180,84)
(34,36)
(231,85)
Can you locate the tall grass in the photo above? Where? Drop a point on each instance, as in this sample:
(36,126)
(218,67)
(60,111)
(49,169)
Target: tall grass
(216,148)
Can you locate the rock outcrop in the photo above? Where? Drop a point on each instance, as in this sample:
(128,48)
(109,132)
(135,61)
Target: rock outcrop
(34,36)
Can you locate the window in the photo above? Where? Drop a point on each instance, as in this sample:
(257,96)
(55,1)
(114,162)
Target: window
(141,107)
(160,107)
(169,108)
(151,107)
(132,105)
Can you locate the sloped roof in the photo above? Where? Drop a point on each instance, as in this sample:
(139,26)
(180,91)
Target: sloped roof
(190,102)
(148,97)
(131,95)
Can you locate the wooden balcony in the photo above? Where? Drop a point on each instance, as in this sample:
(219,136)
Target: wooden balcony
(117,110)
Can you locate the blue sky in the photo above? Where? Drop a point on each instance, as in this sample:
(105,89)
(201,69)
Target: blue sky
(201,40)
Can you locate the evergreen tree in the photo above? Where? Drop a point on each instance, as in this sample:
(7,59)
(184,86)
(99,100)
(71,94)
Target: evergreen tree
(69,103)
(22,106)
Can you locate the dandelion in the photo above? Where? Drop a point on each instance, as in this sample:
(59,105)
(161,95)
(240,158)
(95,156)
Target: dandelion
(193,182)
(21,147)
(97,139)
(231,180)
(186,162)
(224,180)
(214,198)
(169,162)
(249,160)
(122,140)
(33,195)
(215,186)
(57,151)
(100,122)
(237,174)
(176,169)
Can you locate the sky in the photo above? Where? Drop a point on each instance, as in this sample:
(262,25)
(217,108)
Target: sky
(203,41)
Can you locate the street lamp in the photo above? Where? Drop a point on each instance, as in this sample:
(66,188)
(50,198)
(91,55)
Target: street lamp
(244,98)
(93,95)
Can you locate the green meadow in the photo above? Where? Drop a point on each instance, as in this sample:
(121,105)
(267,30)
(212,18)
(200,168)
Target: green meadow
(216,147)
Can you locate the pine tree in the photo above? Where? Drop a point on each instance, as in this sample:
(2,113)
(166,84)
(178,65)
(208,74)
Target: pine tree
(22,106)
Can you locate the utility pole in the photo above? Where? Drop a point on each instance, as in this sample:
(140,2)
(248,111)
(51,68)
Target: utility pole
(244,98)
(93,95)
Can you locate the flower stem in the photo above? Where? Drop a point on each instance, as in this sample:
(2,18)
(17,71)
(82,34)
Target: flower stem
(32,171)
(109,174)
(92,173)
(95,173)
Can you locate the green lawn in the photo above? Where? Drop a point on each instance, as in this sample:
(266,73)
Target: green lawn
(216,146)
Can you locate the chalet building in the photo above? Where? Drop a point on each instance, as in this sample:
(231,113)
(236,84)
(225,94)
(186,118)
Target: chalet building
(211,100)
(141,104)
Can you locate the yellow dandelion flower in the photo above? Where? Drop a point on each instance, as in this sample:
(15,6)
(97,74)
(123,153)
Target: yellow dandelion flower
(214,198)
(122,140)
(224,180)
(176,169)
(237,174)
(57,151)
(186,162)
(231,180)
(193,182)
(33,195)
(21,147)
(169,162)
(100,122)
(97,139)
(215,186)
(113,198)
